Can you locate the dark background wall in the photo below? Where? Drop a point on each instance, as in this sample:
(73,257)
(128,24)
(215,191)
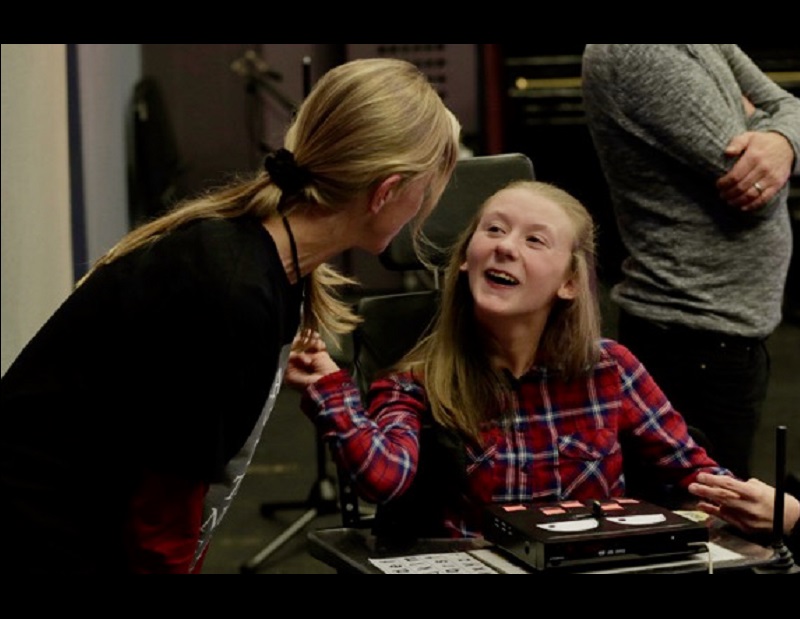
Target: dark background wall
(208,108)
(510,97)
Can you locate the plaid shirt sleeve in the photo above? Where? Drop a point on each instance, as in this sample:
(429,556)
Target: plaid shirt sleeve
(380,446)
(662,436)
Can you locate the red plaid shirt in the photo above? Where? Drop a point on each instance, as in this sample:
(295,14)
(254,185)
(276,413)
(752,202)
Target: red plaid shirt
(559,440)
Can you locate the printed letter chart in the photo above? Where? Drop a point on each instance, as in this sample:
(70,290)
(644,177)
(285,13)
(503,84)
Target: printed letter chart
(441,563)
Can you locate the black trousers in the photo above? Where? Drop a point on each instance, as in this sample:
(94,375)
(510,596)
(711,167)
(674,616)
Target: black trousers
(717,382)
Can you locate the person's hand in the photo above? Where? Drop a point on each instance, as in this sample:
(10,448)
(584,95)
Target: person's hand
(308,362)
(747,505)
(764,166)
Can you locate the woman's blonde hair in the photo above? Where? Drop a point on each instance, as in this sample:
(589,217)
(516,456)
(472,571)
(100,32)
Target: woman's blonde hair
(363,120)
(462,388)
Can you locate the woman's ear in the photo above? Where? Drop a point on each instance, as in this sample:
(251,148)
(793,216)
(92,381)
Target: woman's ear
(383,192)
(568,290)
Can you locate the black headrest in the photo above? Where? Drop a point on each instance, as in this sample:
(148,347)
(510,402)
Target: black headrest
(473,181)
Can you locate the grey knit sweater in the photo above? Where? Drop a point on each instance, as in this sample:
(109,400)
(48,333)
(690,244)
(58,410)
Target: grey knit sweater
(661,116)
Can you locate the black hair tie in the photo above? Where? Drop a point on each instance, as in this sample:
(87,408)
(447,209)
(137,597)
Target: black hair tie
(285,173)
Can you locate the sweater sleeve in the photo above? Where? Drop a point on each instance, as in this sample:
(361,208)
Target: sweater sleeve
(666,96)
(777,109)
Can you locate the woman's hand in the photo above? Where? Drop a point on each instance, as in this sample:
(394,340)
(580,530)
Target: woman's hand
(308,362)
(748,505)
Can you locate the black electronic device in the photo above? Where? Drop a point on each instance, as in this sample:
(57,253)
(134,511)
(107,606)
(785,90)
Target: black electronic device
(574,534)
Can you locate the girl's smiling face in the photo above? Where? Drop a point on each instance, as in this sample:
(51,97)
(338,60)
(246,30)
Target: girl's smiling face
(519,258)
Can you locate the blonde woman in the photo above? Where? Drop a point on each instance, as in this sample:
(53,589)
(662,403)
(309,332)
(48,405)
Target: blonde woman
(131,417)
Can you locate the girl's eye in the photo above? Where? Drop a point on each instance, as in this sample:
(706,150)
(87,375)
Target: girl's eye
(534,240)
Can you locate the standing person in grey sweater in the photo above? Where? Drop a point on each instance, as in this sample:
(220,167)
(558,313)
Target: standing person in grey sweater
(697,146)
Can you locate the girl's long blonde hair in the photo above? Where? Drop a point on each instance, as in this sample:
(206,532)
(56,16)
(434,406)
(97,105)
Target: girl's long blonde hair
(364,120)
